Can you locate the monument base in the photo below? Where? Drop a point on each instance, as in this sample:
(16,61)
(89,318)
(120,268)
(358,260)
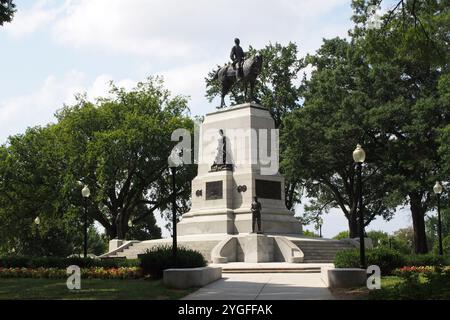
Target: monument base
(235,222)
(223,248)
(258,248)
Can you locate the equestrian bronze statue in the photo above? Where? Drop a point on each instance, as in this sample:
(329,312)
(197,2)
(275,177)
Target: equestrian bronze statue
(242,69)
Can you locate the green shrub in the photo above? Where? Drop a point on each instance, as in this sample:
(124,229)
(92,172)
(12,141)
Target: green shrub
(445,246)
(156,260)
(342,235)
(426,260)
(310,234)
(347,259)
(62,263)
(388,260)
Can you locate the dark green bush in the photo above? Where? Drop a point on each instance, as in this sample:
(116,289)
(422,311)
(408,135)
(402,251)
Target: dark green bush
(426,260)
(156,260)
(62,263)
(347,259)
(387,259)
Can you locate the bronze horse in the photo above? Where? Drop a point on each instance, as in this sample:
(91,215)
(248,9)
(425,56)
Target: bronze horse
(251,69)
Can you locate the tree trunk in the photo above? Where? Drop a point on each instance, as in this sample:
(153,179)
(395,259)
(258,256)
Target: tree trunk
(418,217)
(111,232)
(353,224)
(289,195)
(119,226)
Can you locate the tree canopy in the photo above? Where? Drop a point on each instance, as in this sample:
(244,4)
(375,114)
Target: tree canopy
(7,10)
(321,136)
(410,56)
(387,89)
(117,146)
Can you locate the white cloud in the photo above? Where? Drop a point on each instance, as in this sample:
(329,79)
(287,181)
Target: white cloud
(174,28)
(39,107)
(38,16)
(181,40)
(190,80)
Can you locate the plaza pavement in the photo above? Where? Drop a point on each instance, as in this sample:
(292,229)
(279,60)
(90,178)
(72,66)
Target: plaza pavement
(265,286)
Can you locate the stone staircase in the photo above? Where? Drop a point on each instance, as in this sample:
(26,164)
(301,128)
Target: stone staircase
(314,250)
(135,248)
(322,251)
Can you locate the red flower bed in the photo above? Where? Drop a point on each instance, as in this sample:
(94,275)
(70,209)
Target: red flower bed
(89,273)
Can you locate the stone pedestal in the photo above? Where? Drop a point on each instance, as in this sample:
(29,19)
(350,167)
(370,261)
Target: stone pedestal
(114,244)
(221,201)
(258,248)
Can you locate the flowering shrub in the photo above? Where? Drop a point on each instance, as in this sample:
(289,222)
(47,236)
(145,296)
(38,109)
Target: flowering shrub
(421,269)
(430,274)
(112,273)
(89,273)
(62,263)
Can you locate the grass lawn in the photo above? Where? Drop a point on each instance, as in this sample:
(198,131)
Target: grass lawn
(388,289)
(91,289)
(395,288)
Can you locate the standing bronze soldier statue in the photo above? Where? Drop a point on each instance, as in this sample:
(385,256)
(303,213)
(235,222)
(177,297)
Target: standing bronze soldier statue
(256,215)
(237,55)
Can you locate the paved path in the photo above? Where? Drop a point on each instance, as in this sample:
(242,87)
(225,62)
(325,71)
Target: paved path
(265,286)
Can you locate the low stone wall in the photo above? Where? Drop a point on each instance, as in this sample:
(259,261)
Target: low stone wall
(344,278)
(191,278)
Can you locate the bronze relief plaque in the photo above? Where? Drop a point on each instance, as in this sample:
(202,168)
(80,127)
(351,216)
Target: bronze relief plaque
(214,190)
(268,189)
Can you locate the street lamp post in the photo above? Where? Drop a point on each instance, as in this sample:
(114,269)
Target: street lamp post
(319,225)
(86,194)
(174,213)
(359,156)
(175,160)
(438,191)
(37,222)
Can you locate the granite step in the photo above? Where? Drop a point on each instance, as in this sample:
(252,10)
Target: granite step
(271,270)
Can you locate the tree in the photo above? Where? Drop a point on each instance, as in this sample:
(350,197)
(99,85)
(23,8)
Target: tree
(444,149)
(403,240)
(30,182)
(321,136)
(119,147)
(145,227)
(379,238)
(409,57)
(97,242)
(277,88)
(342,235)
(7,10)
(432,222)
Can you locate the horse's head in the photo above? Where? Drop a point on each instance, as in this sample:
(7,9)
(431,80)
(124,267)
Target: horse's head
(256,64)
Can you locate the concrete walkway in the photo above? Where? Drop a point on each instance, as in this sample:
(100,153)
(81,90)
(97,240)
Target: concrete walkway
(266,286)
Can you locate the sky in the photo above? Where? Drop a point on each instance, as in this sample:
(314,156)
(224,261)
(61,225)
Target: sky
(55,49)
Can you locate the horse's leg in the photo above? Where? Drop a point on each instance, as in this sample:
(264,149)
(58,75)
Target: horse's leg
(224,93)
(245,90)
(226,86)
(252,91)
